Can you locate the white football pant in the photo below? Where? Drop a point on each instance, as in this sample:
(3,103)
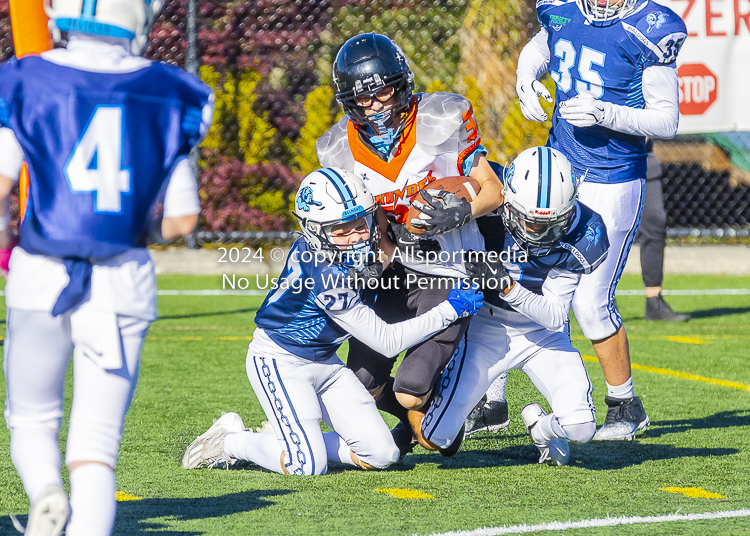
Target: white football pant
(490,348)
(297,394)
(620,206)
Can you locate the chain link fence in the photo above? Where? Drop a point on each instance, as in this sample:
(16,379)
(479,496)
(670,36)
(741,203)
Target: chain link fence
(269,63)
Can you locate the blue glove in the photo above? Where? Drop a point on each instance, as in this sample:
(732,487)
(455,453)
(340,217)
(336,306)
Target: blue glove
(466,302)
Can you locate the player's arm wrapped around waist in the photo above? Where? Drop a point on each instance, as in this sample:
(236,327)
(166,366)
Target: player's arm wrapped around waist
(392,339)
(551,308)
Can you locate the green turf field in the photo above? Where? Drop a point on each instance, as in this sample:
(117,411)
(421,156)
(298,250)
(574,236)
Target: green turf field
(193,368)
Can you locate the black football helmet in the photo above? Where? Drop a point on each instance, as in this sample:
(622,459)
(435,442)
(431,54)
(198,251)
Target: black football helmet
(365,64)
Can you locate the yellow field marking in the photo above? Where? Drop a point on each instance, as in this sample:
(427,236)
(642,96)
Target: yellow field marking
(683,375)
(122,496)
(698,493)
(405,493)
(686,340)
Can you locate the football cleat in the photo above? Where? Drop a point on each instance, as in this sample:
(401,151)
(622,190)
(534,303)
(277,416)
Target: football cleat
(48,515)
(208,449)
(404,438)
(453,448)
(625,417)
(553,452)
(487,416)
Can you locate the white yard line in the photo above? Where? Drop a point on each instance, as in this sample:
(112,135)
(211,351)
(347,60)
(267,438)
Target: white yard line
(689,292)
(590,523)
(692,292)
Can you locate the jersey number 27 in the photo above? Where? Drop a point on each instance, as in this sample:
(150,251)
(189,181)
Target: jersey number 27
(96,166)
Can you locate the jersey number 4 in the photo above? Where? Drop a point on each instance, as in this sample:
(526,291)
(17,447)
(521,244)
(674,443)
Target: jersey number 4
(589,81)
(96,163)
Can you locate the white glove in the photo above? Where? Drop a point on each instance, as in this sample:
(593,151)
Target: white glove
(529,92)
(581,111)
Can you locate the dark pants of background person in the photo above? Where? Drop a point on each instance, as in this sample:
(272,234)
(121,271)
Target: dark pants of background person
(653,229)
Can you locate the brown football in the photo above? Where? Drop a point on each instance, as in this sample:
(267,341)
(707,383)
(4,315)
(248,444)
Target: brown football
(466,188)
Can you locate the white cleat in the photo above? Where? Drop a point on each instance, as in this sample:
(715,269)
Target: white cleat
(208,449)
(48,515)
(553,452)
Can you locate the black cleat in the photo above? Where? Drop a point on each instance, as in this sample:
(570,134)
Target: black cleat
(404,438)
(658,309)
(487,416)
(454,447)
(625,417)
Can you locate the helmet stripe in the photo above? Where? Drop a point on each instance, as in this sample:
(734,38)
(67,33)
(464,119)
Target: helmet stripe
(89,8)
(341,187)
(545,176)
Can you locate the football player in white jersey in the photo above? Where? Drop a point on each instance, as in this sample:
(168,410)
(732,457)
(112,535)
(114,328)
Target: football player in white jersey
(613,63)
(545,242)
(103,132)
(399,142)
(292,363)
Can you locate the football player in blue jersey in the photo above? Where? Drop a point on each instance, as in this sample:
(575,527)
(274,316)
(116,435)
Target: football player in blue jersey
(613,63)
(314,307)
(544,241)
(106,134)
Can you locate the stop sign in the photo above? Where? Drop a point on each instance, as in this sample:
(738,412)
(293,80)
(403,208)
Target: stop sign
(698,88)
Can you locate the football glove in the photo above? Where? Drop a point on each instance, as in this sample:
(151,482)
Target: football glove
(466,302)
(529,92)
(582,111)
(487,274)
(410,243)
(447,211)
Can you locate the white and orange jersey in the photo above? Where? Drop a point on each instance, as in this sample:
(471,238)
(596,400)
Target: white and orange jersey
(440,139)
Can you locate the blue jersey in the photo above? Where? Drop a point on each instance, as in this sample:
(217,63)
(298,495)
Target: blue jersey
(605,61)
(294,314)
(581,250)
(99,148)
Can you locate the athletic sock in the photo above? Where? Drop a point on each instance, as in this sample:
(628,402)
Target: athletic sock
(261,449)
(496,392)
(388,402)
(336,449)
(36,456)
(547,428)
(92,500)
(621,391)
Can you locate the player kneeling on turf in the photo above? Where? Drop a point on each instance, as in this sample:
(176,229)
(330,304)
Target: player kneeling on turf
(292,363)
(550,239)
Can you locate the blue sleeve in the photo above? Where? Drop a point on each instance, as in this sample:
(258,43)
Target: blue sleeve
(659,32)
(8,83)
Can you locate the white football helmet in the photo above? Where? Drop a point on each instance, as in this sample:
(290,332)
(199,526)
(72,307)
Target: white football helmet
(540,192)
(601,10)
(119,19)
(329,197)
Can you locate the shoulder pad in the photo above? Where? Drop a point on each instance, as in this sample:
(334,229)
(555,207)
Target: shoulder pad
(586,242)
(439,116)
(658,31)
(545,7)
(333,147)
(332,289)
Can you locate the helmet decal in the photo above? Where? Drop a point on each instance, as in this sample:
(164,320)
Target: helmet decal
(305,199)
(593,234)
(509,172)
